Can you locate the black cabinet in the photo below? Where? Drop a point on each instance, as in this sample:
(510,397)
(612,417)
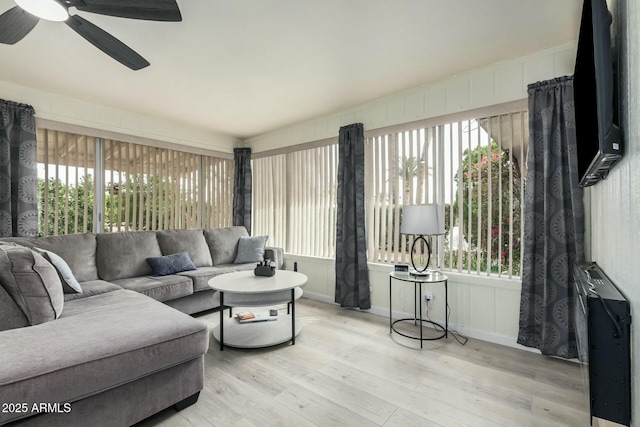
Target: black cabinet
(603,326)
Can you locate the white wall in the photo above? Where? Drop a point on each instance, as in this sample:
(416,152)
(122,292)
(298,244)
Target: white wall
(498,83)
(64,109)
(615,202)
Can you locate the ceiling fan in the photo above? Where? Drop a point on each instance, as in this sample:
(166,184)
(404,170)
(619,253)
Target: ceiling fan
(18,21)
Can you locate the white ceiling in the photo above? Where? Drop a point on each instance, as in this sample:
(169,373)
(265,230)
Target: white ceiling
(245,67)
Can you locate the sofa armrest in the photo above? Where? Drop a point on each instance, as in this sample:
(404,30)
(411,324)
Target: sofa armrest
(275,254)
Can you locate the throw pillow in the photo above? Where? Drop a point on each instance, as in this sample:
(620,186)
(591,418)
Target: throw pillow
(171,264)
(69,283)
(251,249)
(32,284)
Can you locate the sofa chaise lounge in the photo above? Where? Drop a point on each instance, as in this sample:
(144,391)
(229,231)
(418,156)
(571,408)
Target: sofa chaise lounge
(122,349)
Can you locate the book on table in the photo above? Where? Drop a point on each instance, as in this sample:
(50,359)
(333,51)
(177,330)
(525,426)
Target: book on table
(249,317)
(245,315)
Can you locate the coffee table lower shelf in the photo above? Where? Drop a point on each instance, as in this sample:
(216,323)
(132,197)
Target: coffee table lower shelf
(256,334)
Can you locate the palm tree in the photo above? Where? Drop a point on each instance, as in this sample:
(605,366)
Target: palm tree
(408,170)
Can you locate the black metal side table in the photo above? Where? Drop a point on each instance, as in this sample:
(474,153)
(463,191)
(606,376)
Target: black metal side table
(434,277)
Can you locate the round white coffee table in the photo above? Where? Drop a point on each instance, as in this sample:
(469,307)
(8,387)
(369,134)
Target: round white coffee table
(245,289)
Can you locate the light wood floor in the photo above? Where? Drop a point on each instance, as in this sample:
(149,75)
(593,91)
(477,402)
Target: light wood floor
(346,370)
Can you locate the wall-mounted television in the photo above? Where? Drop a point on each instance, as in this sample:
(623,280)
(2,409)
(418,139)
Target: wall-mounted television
(599,140)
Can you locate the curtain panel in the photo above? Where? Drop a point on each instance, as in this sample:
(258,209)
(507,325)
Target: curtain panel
(18,170)
(553,221)
(242,188)
(352,274)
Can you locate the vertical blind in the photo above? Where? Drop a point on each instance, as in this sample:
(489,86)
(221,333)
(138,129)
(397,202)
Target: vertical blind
(146,188)
(66,164)
(473,167)
(270,204)
(217,177)
(150,188)
(295,200)
(401,169)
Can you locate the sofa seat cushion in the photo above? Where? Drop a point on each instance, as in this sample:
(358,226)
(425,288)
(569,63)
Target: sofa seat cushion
(202,275)
(160,288)
(124,255)
(191,241)
(92,288)
(97,344)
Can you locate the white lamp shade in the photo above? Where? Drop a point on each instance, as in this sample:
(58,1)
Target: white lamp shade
(422,219)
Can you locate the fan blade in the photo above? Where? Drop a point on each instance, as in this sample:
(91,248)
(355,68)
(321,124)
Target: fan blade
(149,10)
(16,23)
(106,43)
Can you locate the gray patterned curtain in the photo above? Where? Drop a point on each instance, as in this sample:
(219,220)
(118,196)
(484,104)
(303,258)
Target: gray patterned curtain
(18,170)
(352,274)
(553,221)
(242,188)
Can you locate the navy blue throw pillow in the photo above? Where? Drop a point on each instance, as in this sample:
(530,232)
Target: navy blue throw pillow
(171,264)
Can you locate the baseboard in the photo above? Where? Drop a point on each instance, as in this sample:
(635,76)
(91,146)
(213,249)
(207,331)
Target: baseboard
(319,297)
(505,340)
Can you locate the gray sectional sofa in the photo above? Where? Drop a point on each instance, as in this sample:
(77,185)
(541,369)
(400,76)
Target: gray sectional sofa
(122,349)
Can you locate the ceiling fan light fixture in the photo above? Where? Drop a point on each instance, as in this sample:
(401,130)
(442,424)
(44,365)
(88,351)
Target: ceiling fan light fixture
(50,10)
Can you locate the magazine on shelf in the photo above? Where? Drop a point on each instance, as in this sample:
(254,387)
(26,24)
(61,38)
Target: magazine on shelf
(249,317)
(245,315)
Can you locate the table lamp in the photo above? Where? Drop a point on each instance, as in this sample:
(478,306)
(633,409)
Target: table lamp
(421,220)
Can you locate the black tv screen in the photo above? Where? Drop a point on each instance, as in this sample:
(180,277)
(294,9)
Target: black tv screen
(599,140)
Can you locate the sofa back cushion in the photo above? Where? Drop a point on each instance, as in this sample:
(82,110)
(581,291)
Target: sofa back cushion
(223,243)
(124,255)
(190,241)
(33,286)
(78,251)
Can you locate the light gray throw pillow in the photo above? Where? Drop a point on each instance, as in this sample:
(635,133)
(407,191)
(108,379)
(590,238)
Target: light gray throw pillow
(69,283)
(251,249)
(171,264)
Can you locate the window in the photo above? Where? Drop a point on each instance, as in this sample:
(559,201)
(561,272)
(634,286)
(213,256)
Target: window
(295,200)
(474,168)
(150,188)
(401,169)
(66,187)
(473,165)
(145,187)
(217,175)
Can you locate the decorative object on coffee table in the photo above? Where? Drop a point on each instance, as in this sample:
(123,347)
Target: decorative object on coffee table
(265,269)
